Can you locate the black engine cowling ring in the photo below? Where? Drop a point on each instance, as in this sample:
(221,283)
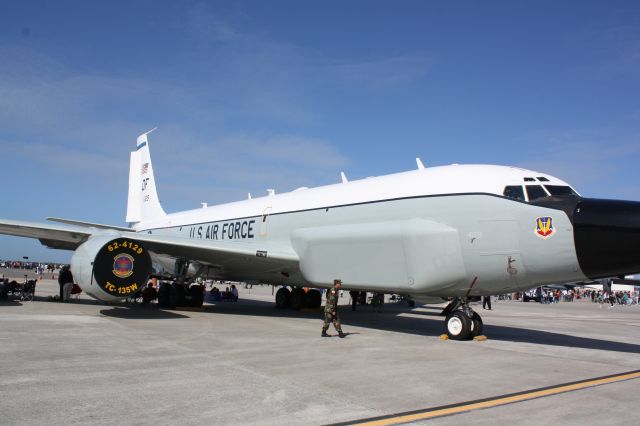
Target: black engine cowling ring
(121,267)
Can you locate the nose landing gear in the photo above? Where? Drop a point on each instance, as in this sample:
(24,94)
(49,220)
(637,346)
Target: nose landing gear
(461,322)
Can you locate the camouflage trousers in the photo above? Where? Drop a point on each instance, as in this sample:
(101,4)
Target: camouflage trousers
(331,317)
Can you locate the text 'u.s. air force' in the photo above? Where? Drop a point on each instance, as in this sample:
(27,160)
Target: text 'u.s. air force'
(241,229)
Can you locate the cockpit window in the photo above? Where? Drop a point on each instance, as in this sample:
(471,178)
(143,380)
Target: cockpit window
(535,191)
(529,179)
(561,191)
(514,192)
(543,179)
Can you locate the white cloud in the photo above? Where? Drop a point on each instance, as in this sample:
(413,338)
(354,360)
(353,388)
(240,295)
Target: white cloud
(275,69)
(613,44)
(66,118)
(592,160)
(385,73)
(226,168)
(204,23)
(65,159)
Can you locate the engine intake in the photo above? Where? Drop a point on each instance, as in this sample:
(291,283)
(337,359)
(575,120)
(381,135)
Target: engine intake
(110,268)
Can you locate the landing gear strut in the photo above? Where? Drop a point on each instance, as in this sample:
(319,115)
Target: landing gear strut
(461,321)
(179,292)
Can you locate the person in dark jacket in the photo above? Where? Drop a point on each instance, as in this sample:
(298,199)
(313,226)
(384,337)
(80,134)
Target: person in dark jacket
(486,302)
(354,299)
(65,277)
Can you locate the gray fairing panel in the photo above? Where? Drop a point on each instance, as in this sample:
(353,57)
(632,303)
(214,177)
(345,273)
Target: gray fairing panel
(418,253)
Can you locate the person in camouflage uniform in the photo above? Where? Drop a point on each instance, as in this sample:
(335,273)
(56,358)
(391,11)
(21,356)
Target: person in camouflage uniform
(331,310)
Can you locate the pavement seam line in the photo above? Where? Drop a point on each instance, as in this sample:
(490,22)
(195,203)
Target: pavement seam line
(494,401)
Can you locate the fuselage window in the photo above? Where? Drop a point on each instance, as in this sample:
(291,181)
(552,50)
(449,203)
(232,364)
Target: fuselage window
(535,191)
(543,179)
(514,192)
(529,179)
(561,191)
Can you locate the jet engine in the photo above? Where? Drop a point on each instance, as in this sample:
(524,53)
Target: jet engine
(111,267)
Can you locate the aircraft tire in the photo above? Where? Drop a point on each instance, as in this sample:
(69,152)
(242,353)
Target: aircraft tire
(314,298)
(283,298)
(298,299)
(178,295)
(197,296)
(477,326)
(164,295)
(458,325)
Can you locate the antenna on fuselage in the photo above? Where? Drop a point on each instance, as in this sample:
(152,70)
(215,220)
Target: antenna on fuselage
(344,177)
(248,196)
(419,163)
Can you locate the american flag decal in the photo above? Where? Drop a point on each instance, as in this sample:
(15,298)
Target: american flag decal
(145,168)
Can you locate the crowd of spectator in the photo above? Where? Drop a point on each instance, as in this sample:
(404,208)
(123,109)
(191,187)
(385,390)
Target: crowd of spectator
(37,266)
(549,295)
(228,295)
(613,298)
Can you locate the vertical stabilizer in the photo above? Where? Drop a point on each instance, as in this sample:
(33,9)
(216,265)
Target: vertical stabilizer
(143,201)
(134,206)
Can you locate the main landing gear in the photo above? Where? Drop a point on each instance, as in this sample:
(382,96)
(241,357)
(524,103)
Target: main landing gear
(298,298)
(461,322)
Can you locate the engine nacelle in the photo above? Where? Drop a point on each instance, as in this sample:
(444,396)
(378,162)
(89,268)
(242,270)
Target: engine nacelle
(111,267)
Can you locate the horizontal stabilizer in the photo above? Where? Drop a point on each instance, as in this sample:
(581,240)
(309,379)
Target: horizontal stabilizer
(90,224)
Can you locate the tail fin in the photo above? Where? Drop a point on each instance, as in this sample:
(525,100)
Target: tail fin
(143,203)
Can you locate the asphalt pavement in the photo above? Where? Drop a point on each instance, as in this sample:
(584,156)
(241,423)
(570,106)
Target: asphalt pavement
(250,363)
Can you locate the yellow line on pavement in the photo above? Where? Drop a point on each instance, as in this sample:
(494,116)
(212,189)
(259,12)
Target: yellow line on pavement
(495,401)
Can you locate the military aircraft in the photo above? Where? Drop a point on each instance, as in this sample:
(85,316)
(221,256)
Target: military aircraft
(450,232)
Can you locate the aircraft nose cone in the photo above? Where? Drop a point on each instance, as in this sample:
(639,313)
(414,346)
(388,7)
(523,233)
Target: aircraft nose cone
(607,237)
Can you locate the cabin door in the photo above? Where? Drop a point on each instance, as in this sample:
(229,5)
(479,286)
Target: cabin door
(264,231)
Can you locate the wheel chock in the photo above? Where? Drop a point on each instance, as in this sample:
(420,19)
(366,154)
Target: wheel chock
(480,338)
(444,337)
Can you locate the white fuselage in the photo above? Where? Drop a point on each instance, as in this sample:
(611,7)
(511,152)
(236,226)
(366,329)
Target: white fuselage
(438,231)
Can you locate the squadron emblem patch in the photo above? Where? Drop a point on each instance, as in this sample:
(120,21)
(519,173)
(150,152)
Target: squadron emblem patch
(123,265)
(544,227)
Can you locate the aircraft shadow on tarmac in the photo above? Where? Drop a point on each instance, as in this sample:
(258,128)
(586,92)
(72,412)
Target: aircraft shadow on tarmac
(140,312)
(11,302)
(47,299)
(429,324)
(115,310)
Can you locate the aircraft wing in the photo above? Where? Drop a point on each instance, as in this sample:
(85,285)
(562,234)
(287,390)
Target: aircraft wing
(229,254)
(65,237)
(90,224)
(225,253)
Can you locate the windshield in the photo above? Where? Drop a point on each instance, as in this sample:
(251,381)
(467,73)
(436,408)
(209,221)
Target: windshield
(514,192)
(535,191)
(561,191)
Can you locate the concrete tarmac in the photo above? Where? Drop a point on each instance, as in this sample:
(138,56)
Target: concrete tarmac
(250,363)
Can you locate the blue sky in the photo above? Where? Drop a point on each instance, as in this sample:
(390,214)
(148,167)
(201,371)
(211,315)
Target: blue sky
(253,95)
